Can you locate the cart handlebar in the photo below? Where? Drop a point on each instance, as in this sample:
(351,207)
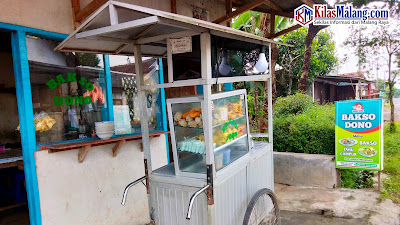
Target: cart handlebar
(191,202)
(129,186)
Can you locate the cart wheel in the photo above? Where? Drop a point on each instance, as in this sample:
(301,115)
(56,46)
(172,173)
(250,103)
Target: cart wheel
(263,209)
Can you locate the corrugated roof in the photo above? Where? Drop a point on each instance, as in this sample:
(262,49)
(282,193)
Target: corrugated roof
(359,75)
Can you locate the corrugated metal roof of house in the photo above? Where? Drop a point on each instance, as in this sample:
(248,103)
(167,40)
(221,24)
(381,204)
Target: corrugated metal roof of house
(359,75)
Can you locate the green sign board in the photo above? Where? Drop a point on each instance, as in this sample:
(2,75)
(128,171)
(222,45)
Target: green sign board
(359,134)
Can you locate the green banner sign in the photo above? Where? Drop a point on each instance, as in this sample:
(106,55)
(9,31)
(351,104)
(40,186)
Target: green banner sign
(359,134)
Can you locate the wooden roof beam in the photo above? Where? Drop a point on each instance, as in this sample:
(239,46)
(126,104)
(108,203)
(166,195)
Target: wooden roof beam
(272,5)
(239,11)
(89,9)
(238,4)
(285,31)
(309,3)
(173,6)
(75,9)
(228,9)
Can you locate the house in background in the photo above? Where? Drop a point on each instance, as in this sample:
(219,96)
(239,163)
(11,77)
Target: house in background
(342,87)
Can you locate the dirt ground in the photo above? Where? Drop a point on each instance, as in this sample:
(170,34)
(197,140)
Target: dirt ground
(315,206)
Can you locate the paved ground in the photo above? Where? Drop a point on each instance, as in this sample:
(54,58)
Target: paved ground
(386,111)
(315,206)
(298,218)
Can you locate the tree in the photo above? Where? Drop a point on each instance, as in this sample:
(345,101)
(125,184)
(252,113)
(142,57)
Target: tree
(322,61)
(305,70)
(385,42)
(87,59)
(258,23)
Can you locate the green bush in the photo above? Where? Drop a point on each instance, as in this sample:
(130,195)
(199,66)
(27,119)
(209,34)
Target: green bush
(356,178)
(312,131)
(301,126)
(292,104)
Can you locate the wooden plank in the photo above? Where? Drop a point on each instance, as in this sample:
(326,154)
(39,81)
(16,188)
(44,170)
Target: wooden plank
(8,165)
(162,37)
(228,9)
(272,5)
(75,9)
(121,48)
(83,152)
(170,62)
(117,147)
(145,31)
(76,6)
(238,4)
(308,2)
(285,31)
(89,9)
(228,6)
(239,11)
(119,27)
(80,144)
(272,25)
(113,14)
(13,206)
(173,6)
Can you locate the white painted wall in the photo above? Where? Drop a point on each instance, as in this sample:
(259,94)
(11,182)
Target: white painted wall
(42,50)
(91,192)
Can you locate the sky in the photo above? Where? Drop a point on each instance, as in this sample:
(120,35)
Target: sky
(340,35)
(347,55)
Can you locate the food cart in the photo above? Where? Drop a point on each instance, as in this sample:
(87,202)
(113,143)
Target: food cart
(219,174)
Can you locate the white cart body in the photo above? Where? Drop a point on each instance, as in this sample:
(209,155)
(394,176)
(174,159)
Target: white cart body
(126,29)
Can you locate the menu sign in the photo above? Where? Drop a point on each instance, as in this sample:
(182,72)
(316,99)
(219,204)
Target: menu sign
(181,45)
(359,134)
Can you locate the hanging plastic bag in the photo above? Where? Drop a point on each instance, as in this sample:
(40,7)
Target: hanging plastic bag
(43,122)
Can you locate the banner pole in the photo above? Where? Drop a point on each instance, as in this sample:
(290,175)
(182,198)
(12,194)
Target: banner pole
(379,181)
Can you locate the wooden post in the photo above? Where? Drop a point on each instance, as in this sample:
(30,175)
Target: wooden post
(272,25)
(173,6)
(228,6)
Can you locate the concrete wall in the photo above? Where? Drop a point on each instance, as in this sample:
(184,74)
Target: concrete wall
(299,169)
(56,15)
(42,50)
(49,15)
(90,192)
(216,8)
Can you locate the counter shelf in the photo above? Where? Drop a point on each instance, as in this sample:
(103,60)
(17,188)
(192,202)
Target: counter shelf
(84,146)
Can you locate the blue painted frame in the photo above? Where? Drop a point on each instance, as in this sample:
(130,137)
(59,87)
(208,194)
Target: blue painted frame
(25,109)
(27,126)
(109,97)
(163,106)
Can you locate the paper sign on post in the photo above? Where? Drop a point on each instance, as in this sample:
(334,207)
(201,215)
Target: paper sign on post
(181,45)
(359,134)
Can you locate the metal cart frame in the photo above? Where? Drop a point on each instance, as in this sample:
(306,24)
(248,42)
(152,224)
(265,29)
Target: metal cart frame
(107,30)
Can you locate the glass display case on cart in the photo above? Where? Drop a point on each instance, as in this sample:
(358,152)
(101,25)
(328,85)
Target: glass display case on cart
(230,136)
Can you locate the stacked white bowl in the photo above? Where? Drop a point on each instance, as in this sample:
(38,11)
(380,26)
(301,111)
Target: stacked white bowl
(104,130)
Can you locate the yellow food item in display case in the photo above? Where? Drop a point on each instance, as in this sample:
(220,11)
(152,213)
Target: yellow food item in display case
(43,122)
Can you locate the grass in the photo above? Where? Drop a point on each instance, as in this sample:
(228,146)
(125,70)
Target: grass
(391,184)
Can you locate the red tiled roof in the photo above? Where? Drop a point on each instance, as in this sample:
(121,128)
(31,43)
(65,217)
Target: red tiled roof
(353,75)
